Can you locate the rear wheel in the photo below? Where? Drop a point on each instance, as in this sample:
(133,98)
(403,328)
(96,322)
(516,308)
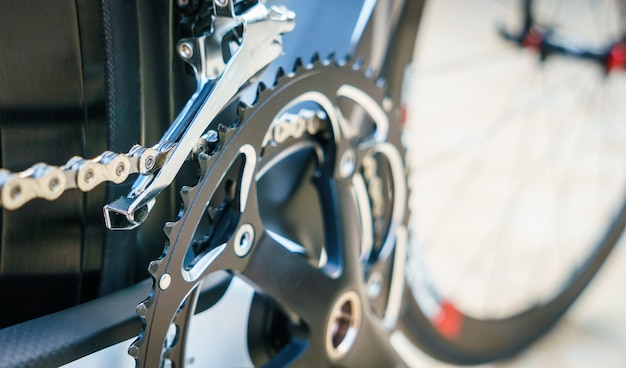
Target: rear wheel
(518,190)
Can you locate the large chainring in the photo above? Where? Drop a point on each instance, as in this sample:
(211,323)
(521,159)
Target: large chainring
(305,199)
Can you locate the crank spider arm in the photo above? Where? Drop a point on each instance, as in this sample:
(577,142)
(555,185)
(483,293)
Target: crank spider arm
(239,46)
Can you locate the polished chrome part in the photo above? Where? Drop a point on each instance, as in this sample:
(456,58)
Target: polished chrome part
(289,125)
(205,145)
(347,163)
(375,285)
(149,163)
(37,182)
(258,44)
(337,121)
(294,126)
(165,281)
(343,325)
(244,240)
(49,182)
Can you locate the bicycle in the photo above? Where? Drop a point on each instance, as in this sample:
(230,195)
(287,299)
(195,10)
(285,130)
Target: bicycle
(334,293)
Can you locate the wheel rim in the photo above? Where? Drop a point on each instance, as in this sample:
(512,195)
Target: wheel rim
(475,241)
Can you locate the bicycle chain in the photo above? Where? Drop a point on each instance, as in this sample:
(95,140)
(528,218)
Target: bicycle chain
(50,182)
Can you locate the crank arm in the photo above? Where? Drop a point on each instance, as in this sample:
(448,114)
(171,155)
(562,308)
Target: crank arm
(252,40)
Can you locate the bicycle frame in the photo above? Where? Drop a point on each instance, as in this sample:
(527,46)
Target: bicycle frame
(357,28)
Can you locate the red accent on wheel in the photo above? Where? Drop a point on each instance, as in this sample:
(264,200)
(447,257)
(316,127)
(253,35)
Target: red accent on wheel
(448,320)
(617,57)
(403,114)
(533,39)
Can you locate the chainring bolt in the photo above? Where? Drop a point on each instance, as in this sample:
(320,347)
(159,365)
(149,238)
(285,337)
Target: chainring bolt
(212,136)
(347,164)
(244,239)
(387,104)
(165,281)
(375,285)
(133,351)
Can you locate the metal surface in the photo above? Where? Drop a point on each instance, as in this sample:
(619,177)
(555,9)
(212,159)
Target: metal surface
(256,46)
(278,260)
(49,182)
(244,240)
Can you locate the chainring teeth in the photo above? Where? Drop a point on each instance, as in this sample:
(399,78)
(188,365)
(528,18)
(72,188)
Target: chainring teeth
(157,268)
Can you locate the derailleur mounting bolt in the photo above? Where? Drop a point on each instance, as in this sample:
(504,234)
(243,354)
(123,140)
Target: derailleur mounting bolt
(185,50)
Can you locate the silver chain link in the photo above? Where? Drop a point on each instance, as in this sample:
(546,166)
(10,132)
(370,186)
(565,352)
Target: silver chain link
(49,182)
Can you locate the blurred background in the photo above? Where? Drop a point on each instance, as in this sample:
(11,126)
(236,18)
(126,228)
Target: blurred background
(519,165)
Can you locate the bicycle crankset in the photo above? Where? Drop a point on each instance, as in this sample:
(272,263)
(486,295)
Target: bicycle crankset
(305,199)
